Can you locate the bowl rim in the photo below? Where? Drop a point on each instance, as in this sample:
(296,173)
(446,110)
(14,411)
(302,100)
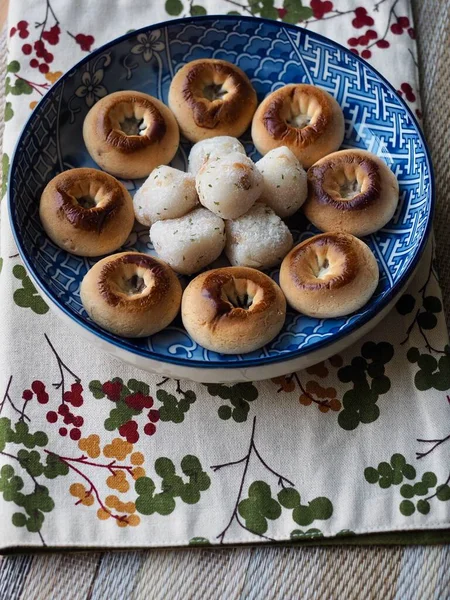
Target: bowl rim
(240,363)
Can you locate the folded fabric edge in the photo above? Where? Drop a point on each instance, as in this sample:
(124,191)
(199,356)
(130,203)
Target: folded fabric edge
(400,538)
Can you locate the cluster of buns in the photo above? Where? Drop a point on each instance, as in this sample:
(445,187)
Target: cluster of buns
(224,203)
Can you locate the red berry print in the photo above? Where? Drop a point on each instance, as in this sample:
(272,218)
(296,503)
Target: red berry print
(362,18)
(149,429)
(371,34)
(51,416)
(22,25)
(27,49)
(153,415)
(383,44)
(419,116)
(12,31)
(75,434)
(63,409)
(363,40)
(408,91)
(85,41)
(281,12)
(355,51)
(78,421)
(352,41)
(320,8)
(129,431)
(43,68)
(27,395)
(34,63)
(24,34)
(366,53)
(38,387)
(395,28)
(403,22)
(52,35)
(63,431)
(412,33)
(138,401)
(112,389)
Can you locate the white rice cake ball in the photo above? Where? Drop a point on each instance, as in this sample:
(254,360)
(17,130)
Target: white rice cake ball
(258,239)
(229,186)
(167,193)
(191,242)
(212,149)
(285,185)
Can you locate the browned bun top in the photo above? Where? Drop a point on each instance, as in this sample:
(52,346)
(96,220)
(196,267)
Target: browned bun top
(333,252)
(327,178)
(238,292)
(206,72)
(114,108)
(151,278)
(73,184)
(290,99)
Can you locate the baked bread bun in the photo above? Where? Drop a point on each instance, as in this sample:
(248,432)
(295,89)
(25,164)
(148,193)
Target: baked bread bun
(131,294)
(329,275)
(129,133)
(191,242)
(285,185)
(352,191)
(229,186)
(211,97)
(233,310)
(167,193)
(212,149)
(303,117)
(258,239)
(86,212)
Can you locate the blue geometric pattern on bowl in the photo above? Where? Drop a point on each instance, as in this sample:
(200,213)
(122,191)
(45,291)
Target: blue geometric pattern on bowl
(272,54)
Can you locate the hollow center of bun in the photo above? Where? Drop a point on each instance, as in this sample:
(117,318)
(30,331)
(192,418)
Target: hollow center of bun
(214,91)
(301,111)
(88,194)
(86,202)
(345,181)
(133,126)
(134,285)
(322,262)
(130,118)
(322,267)
(241,293)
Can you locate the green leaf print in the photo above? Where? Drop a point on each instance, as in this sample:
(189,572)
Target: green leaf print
(5,172)
(27,296)
(174,7)
(258,507)
(298,534)
(304,514)
(433,372)
(295,11)
(9,113)
(174,409)
(367,374)
(13,67)
(239,395)
(197,10)
(172,486)
(199,541)
(416,492)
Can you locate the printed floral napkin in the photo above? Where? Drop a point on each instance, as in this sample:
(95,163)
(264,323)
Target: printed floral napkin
(94,453)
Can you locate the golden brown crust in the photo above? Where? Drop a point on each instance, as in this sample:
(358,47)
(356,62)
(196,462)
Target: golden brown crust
(131,294)
(113,135)
(233,309)
(161,274)
(88,219)
(116,147)
(214,283)
(320,128)
(304,265)
(86,231)
(200,112)
(352,191)
(329,275)
(325,188)
(208,113)
(279,103)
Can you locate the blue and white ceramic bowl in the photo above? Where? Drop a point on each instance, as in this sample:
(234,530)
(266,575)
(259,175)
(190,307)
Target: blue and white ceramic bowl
(272,54)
